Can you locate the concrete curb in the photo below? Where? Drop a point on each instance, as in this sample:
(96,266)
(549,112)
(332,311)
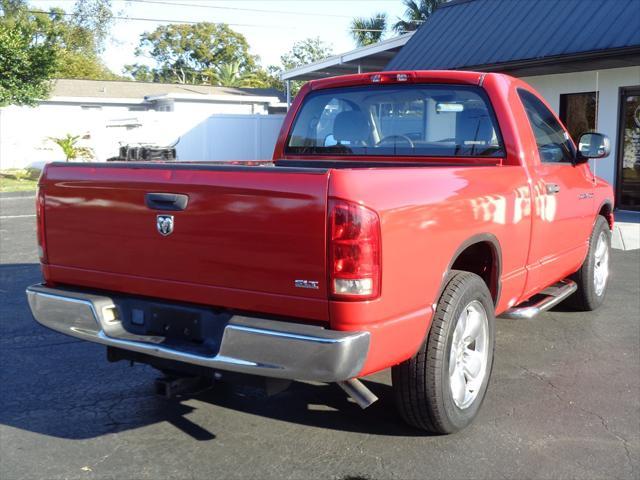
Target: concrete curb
(626,236)
(626,231)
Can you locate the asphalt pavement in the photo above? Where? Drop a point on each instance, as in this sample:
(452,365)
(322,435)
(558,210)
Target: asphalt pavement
(564,402)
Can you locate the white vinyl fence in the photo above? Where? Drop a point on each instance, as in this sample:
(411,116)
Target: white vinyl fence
(25,134)
(231,137)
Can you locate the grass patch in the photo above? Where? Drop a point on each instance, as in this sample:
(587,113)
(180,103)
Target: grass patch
(19,180)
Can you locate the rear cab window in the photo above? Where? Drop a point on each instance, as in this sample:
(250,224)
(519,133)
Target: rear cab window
(399,120)
(553,141)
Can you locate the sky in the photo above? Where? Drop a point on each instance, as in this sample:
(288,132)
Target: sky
(270,26)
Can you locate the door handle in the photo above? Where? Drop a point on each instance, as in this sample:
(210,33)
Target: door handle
(552,188)
(166,201)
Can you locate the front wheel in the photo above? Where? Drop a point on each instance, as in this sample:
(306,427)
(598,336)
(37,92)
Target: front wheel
(441,388)
(593,277)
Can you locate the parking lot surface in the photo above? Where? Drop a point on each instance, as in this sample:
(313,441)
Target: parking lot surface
(564,402)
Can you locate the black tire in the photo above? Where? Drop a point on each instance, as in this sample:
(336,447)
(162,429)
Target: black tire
(422,383)
(587,297)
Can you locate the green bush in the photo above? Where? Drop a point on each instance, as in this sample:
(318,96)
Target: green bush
(29,173)
(16,180)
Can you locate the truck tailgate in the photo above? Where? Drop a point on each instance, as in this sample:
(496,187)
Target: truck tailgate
(244,238)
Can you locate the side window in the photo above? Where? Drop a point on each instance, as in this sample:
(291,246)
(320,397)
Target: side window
(554,144)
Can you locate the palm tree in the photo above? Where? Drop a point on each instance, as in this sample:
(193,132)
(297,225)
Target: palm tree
(231,75)
(366,31)
(227,75)
(416,13)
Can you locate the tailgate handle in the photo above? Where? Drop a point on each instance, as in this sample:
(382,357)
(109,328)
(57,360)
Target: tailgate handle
(166,201)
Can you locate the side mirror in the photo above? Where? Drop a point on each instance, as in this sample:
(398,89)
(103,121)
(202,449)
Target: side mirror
(593,145)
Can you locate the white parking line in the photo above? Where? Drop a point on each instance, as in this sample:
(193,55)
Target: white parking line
(6,217)
(16,198)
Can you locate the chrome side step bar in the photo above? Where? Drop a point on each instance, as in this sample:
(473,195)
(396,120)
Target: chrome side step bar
(545,300)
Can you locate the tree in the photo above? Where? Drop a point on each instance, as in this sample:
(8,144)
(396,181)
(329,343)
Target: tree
(192,53)
(96,17)
(302,53)
(227,75)
(38,46)
(141,73)
(12,8)
(27,60)
(416,13)
(78,65)
(267,78)
(366,31)
(231,75)
(80,39)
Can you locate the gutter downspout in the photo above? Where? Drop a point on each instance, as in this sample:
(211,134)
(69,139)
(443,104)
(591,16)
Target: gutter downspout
(288,85)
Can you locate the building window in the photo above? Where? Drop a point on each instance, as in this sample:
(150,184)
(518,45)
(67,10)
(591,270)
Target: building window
(163,105)
(578,112)
(90,107)
(628,184)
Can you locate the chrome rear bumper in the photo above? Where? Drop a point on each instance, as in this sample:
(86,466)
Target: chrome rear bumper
(248,345)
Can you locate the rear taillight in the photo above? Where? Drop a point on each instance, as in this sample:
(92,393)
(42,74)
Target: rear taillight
(42,244)
(354,251)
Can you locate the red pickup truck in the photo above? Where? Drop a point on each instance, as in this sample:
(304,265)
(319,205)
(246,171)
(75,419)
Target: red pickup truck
(401,213)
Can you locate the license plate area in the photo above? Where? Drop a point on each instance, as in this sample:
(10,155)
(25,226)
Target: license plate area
(175,322)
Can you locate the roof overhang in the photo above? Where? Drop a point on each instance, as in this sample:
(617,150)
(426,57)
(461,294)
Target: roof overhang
(93,100)
(185,97)
(371,58)
(578,62)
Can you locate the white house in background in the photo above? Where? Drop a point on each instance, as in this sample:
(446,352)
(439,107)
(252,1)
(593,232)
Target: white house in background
(114,95)
(204,123)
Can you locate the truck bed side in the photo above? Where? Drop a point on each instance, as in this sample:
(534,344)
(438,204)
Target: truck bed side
(433,215)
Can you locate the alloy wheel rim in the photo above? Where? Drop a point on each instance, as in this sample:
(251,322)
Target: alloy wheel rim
(601,265)
(469,354)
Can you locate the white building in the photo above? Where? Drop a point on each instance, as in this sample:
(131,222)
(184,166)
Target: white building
(583,57)
(205,123)
(69,95)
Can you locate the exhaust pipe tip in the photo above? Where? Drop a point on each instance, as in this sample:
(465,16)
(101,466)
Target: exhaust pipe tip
(359,392)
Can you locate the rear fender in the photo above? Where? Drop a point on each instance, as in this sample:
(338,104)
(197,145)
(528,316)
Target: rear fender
(496,266)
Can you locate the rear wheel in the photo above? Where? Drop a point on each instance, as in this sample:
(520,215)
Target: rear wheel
(442,387)
(593,276)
